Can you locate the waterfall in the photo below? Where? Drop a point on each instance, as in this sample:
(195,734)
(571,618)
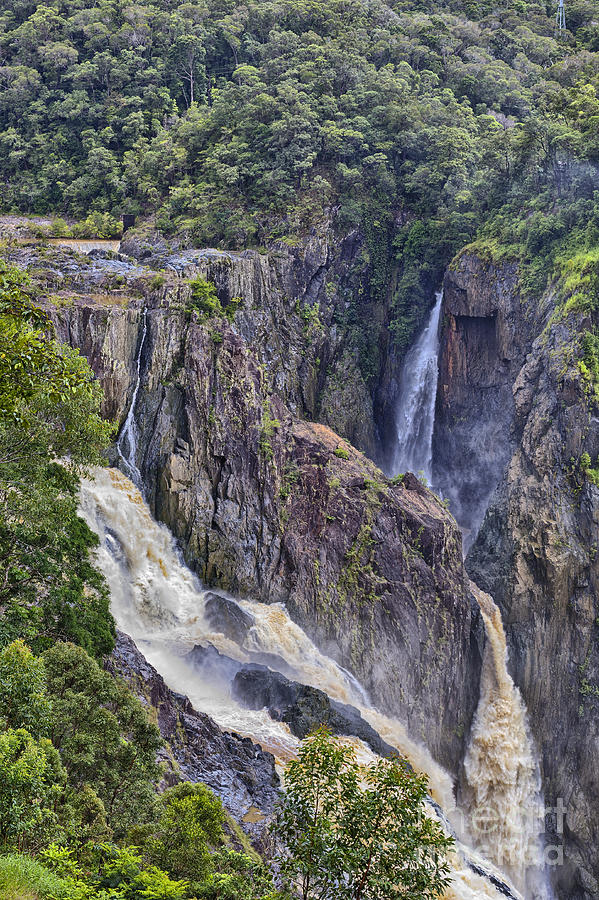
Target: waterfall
(126,444)
(161,604)
(415,415)
(501,769)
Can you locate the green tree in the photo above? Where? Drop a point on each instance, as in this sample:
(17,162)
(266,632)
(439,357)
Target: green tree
(49,412)
(238,876)
(111,873)
(190,824)
(32,782)
(358,834)
(103,735)
(122,869)
(24,699)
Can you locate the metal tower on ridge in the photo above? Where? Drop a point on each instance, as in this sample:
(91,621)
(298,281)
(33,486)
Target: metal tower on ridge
(560,16)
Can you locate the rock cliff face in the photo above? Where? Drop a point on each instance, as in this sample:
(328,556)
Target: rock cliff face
(509,378)
(274,507)
(296,312)
(485,333)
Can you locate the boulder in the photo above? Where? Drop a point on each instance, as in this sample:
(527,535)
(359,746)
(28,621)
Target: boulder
(226,616)
(302,707)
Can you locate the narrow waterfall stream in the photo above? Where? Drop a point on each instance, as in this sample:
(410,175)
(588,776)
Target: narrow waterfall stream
(160,603)
(415,411)
(502,774)
(126,444)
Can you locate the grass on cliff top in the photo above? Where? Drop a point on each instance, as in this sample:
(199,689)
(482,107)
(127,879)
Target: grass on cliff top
(554,243)
(23,878)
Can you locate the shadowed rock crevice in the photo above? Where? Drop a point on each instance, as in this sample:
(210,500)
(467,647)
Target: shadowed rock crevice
(485,335)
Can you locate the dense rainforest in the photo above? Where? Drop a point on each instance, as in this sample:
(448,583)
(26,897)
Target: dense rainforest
(425,128)
(237,124)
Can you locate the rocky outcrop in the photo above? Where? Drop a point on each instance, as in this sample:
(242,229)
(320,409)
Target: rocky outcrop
(485,334)
(537,552)
(515,417)
(238,771)
(293,313)
(272,507)
(226,616)
(302,707)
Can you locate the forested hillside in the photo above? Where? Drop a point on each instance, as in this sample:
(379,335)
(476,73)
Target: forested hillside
(241,122)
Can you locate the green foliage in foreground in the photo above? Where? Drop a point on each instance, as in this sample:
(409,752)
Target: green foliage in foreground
(50,426)
(103,735)
(353,834)
(84,788)
(25,878)
(83,799)
(31,782)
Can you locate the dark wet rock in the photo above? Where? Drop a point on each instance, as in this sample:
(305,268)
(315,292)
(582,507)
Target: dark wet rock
(271,507)
(236,769)
(485,335)
(267,507)
(514,417)
(227,617)
(302,707)
(215,664)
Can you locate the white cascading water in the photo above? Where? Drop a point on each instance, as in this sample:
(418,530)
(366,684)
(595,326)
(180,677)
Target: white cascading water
(160,603)
(415,415)
(126,444)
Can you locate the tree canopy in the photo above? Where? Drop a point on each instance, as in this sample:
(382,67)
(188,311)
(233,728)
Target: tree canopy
(50,426)
(358,833)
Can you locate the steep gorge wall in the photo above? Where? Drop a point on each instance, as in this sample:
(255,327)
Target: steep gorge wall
(485,332)
(279,509)
(267,504)
(509,380)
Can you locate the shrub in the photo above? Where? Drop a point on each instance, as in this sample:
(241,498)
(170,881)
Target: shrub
(157,281)
(191,822)
(31,782)
(103,735)
(341,452)
(24,700)
(205,301)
